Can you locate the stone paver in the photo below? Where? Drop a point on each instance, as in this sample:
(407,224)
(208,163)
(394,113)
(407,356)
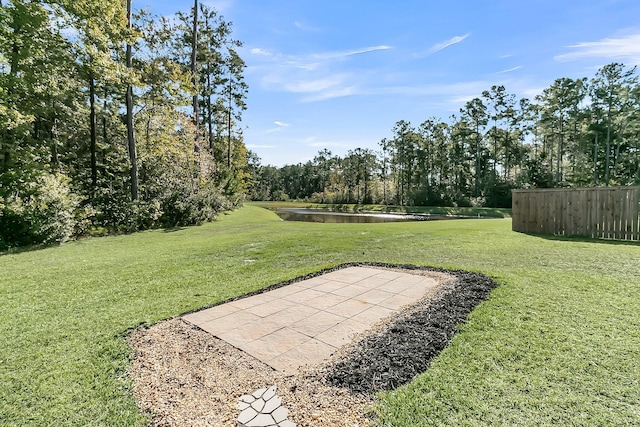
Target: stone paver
(263,408)
(304,323)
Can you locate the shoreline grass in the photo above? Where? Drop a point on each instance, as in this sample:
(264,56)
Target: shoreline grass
(556,343)
(374,208)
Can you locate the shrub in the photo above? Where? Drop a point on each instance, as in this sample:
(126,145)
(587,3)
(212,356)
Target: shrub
(37,209)
(113,210)
(185,205)
(279,196)
(498,196)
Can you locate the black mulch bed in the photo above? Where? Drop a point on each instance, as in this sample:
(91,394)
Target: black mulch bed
(406,346)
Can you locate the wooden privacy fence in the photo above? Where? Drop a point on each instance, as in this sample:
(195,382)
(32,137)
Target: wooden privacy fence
(605,212)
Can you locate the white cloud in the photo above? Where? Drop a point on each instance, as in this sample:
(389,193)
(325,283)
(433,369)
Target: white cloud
(463,99)
(313,85)
(509,70)
(317,60)
(279,126)
(447,43)
(318,85)
(258,51)
(333,86)
(347,53)
(305,66)
(330,94)
(625,48)
(319,76)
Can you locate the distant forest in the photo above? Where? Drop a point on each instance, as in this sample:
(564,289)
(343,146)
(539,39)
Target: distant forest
(113,120)
(578,132)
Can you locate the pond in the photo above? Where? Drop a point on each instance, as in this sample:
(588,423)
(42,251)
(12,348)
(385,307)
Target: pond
(316,215)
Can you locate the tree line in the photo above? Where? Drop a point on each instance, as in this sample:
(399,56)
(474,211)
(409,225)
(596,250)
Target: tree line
(577,132)
(114,119)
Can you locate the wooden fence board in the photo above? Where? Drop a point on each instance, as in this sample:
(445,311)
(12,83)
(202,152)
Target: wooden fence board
(603,219)
(635,207)
(607,212)
(610,208)
(618,202)
(627,216)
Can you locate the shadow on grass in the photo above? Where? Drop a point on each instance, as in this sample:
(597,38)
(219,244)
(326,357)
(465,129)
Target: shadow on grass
(583,239)
(21,249)
(38,247)
(173,229)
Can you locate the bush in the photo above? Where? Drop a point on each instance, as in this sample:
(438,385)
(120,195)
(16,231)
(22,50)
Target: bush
(113,210)
(432,196)
(498,195)
(37,209)
(279,196)
(147,213)
(183,205)
(463,202)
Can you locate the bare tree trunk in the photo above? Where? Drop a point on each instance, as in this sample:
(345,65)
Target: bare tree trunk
(616,156)
(384,170)
(477,177)
(133,155)
(92,130)
(547,148)
(105,136)
(52,135)
(229,125)
(6,134)
(5,150)
(209,110)
(608,154)
(194,68)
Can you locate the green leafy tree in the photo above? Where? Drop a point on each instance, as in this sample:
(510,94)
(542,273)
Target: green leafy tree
(403,158)
(612,95)
(475,113)
(560,105)
(323,164)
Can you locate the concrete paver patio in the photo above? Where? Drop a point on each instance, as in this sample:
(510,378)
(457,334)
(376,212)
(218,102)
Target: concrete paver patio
(305,322)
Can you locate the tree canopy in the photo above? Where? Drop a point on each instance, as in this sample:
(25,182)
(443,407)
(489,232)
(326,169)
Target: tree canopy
(96,134)
(577,132)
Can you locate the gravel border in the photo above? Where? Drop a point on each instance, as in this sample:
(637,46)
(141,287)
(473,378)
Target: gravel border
(184,376)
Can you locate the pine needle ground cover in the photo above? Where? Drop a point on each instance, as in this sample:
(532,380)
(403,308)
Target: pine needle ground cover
(555,343)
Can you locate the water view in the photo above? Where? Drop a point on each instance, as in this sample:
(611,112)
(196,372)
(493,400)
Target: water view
(316,215)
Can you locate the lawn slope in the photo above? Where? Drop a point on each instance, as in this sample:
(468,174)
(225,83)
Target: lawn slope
(557,343)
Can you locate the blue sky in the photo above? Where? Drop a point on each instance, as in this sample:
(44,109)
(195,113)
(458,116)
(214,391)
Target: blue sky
(339,74)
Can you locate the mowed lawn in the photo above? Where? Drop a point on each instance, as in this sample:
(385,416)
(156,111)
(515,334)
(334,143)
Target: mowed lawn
(557,343)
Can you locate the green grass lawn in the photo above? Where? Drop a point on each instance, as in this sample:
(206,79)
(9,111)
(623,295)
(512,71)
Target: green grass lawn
(556,343)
